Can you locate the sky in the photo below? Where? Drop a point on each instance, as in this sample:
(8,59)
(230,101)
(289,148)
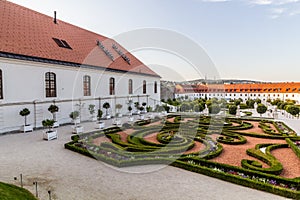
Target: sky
(240,39)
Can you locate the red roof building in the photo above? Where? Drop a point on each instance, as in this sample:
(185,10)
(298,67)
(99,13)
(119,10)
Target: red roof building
(27,34)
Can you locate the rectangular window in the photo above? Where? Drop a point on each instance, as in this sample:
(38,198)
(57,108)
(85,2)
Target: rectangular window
(87,85)
(144,87)
(112,86)
(155,87)
(1,85)
(130,86)
(50,84)
(62,43)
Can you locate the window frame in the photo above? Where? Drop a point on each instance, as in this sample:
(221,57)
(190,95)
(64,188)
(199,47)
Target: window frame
(130,86)
(144,87)
(1,84)
(155,87)
(87,85)
(112,86)
(49,82)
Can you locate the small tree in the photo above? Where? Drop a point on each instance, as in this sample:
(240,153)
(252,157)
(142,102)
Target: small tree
(129,109)
(24,113)
(92,109)
(214,109)
(141,108)
(106,106)
(48,123)
(250,103)
(232,109)
(53,109)
(167,108)
(74,115)
(294,110)
(261,109)
(149,109)
(237,102)
(136,105)
(144,104)
(185,107)
(99,114)
(119,107)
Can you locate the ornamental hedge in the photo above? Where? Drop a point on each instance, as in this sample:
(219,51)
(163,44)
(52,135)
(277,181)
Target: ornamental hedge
(175,138)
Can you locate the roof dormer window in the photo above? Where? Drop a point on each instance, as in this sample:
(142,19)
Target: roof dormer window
(62,43)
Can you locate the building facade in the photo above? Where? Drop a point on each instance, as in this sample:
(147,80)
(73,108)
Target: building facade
(46,61)
(263,91)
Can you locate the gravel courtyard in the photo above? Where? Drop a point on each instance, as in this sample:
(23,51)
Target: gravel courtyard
(72,176)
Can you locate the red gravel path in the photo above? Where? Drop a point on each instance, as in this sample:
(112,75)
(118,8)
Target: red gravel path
(233,155)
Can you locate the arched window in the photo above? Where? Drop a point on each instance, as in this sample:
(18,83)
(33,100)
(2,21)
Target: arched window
(130,85)
(112,86)
(155,87)
(1,85)
(50,84)
(144,87)
(87,85)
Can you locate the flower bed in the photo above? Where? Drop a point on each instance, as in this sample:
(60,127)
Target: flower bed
(192,143)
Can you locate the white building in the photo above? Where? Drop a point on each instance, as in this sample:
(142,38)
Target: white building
(263,91)
(46,61)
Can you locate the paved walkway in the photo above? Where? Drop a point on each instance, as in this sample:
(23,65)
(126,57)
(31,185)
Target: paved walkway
(71,176)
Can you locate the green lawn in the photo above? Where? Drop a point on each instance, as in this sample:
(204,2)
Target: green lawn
(11,192)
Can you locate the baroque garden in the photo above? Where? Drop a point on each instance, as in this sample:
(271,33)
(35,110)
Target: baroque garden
(254,152)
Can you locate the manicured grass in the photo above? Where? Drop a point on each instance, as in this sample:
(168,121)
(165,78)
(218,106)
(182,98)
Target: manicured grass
(11,192)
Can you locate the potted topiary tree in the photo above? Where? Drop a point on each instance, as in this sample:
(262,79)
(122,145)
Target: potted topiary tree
(144,107)
(75,118)
(92,112)
(117,120)
(53,109)
(106,106)
(118,108)
(142,117)
(26,127)
(130,113)
(50,134)
(100,124)
(137,107)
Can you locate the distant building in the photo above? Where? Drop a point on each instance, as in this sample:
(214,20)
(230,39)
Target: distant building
(263,91)
(46,61)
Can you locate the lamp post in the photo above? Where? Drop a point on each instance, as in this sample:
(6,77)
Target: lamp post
(49,192)
(21,179)
(36,190)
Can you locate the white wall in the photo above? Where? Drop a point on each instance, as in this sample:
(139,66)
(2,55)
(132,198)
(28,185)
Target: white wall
(24,83)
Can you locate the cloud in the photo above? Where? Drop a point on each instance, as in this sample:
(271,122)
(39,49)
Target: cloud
(215,1)
(261,2)
(272,2)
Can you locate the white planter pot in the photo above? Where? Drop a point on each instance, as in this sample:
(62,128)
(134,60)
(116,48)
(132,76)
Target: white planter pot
(50,135)
(119,115)
(77,129)
(107,116)
(94,118)
(151,116)
(117,122)
(76,121)
(131,119)
(100,125)
(55,125)
(26,128)
(142,117)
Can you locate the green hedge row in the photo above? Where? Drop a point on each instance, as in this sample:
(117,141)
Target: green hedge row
(275,166)
(233,178)
(294,147)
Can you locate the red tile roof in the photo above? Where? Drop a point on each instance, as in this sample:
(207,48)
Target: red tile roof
(241,88)
(29,33)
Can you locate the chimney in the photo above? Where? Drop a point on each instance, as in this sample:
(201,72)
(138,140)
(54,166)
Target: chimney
(55,20)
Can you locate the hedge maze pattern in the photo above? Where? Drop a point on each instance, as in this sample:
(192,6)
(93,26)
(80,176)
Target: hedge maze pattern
(174,141)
